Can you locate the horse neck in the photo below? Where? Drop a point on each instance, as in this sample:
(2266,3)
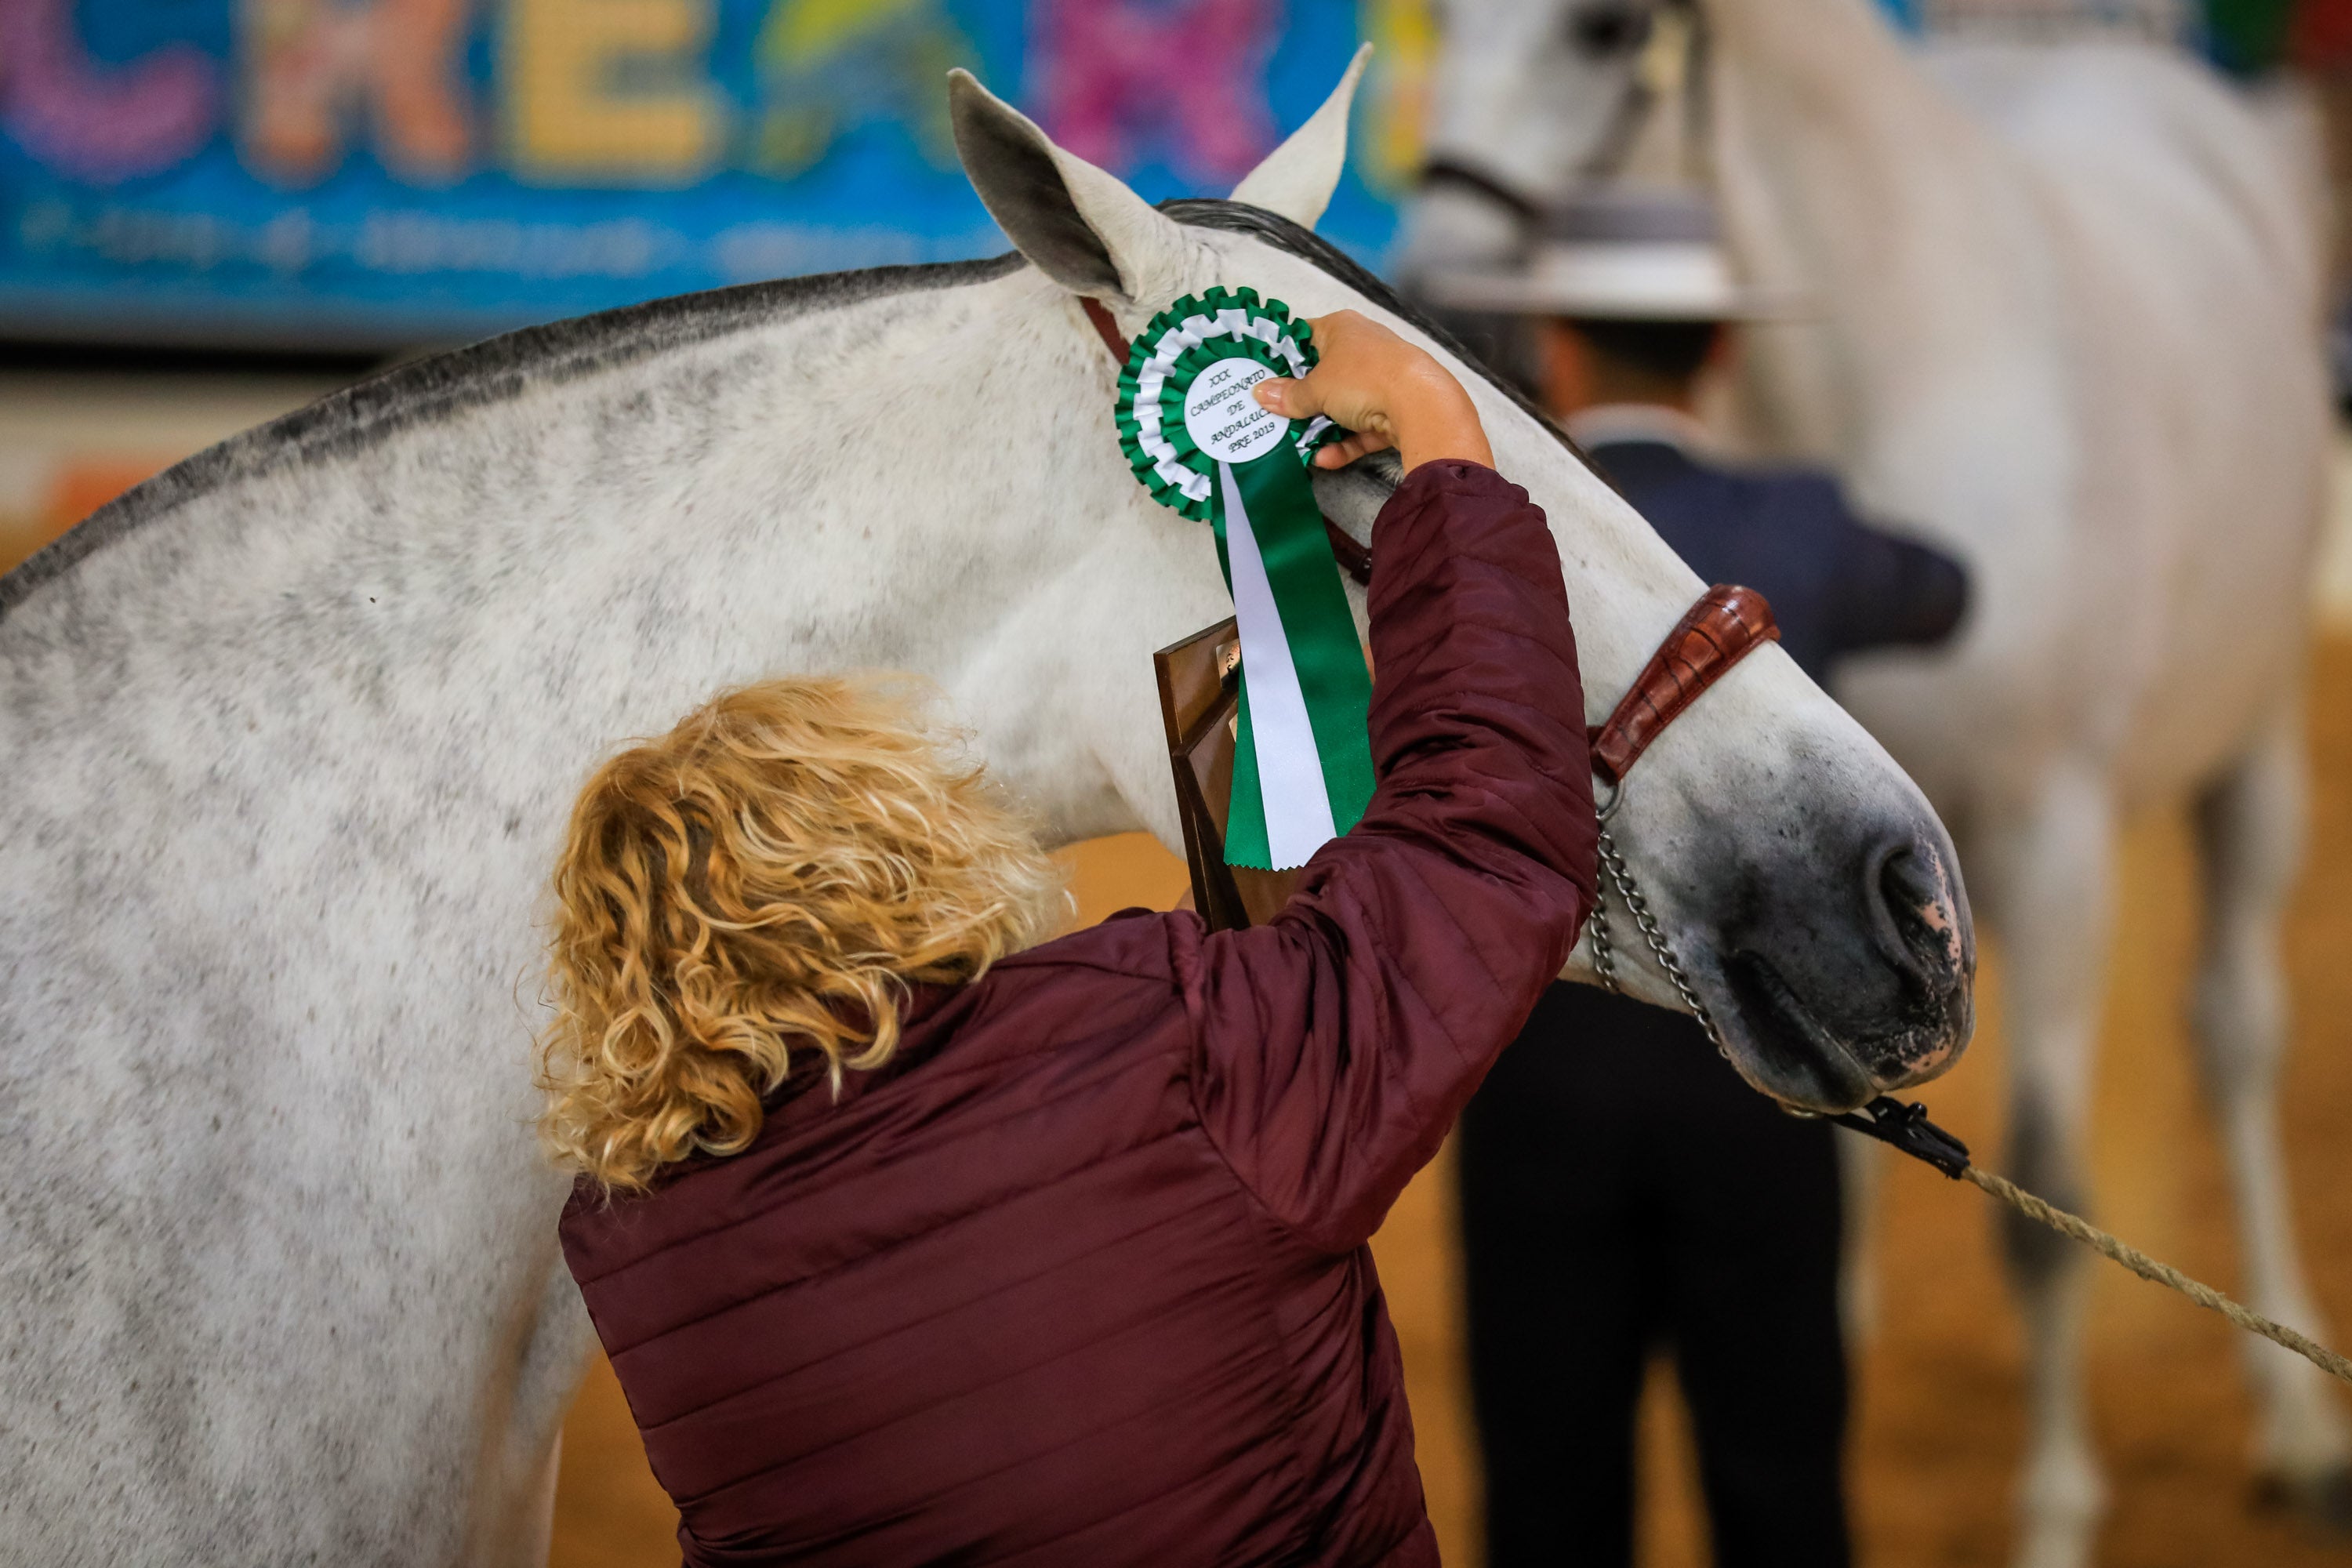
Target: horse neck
(1851,181)
(916,492)
(892,482)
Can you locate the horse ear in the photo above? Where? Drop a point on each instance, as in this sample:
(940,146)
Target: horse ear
(1297,178)
(1082,227)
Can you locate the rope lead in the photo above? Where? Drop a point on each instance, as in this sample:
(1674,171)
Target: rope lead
(1907,1127)
(2164,1274)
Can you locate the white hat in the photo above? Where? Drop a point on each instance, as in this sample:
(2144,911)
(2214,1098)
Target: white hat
(1651,254)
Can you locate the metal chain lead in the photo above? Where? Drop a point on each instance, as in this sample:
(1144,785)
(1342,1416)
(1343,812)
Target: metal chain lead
(1604,958)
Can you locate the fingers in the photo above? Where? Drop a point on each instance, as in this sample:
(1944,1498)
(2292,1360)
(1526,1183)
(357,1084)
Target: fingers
(1291,399)
(1344,340)
(1340,454)
(1299,400)
(1385,391)
(1362,367)
(1341,325)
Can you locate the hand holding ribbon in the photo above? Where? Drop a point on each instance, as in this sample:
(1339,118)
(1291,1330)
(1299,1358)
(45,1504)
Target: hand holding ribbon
(1385,392)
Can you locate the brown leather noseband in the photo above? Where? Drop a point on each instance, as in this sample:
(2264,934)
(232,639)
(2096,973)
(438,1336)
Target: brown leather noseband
(1727,624)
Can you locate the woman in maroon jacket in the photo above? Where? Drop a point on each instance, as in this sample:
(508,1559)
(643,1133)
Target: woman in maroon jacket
(1058,1255)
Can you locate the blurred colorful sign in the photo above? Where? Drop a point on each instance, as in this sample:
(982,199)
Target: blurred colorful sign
(387,170)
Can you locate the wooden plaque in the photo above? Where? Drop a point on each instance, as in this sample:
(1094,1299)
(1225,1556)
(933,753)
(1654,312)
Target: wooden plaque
(1200,704)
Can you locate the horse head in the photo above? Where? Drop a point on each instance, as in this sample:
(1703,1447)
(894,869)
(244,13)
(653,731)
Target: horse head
(1809,891)
(1532,98)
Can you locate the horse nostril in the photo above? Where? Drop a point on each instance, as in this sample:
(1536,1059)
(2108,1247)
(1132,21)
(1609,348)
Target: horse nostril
(1918,926)
(1908,881)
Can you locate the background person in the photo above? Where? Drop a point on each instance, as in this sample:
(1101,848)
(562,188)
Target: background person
(907,1246)
(1621,1189)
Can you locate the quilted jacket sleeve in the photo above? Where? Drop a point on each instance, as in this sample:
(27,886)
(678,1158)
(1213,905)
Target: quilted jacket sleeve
(1335,1046)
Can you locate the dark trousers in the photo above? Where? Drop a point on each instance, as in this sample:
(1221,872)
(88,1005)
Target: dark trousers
(1623,1190)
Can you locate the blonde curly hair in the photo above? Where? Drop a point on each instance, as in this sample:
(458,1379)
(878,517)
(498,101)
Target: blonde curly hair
(767,879)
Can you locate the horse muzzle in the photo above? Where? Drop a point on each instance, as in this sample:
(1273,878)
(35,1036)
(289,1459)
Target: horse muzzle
(1834,1001)
(1840,987)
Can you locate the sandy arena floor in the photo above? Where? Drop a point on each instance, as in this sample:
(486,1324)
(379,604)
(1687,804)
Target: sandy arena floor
(1939,1423)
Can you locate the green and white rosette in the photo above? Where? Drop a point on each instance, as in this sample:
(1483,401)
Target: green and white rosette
(1202,444)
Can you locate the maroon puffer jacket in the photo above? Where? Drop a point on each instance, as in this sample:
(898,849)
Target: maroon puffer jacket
(1080,1276)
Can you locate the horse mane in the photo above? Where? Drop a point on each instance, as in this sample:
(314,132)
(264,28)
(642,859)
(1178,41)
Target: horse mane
(502,367)
(491,370)
(1299,240)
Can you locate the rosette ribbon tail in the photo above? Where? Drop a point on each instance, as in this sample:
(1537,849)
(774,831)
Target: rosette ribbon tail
(1302,761)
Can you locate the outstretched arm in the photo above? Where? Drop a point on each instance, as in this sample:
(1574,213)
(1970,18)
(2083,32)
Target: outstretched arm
(1335,1045)
(1896,592)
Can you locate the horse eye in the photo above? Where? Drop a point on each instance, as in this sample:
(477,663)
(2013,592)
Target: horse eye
(1609,28)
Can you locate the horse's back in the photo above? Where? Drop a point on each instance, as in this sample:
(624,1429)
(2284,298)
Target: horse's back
(2197,250)
(2150,148)
(2161,289)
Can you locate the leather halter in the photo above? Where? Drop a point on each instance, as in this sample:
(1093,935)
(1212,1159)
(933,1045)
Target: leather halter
(1619,135)
(1106,328)
(1607,160)
(1727,624)
(1458,172)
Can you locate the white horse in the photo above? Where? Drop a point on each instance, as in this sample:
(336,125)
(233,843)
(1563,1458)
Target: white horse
(2068,326)
(287,734)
